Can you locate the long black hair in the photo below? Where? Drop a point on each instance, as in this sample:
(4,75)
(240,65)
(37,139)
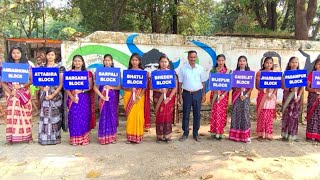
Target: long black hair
(164,56)
(315,63)
(138,57)
(288,65)
(83,67)
(264,61)
(110,56)
(224,57)
(247,65)
(23,58)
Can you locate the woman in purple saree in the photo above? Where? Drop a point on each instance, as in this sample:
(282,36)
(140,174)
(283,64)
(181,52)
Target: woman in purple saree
(108,106)
(79,103)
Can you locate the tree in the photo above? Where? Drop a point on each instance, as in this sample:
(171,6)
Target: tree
(304,18)
(26,13)
(101,14)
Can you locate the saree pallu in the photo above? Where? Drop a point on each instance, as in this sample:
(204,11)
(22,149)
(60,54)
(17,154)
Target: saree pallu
(313,117)
(135,116)
(19,116)
(79,118)
(164,113)
(218,119)
(240,118)
(147,116)
(108,122)
(265,115)
(50,118)
(290,116)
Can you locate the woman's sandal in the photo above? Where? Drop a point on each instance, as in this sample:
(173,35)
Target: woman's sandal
(169,140)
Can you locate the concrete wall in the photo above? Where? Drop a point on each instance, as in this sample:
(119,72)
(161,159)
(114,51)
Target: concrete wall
(150,46)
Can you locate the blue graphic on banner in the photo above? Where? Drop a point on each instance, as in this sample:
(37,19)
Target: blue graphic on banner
(134,79)
(270,80)
(219,81)
(15,72)
(76,80)
(108,76)
(295,78)
(163,79)
(45,76)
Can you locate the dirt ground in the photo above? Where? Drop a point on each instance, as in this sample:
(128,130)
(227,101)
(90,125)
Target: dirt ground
(208,159)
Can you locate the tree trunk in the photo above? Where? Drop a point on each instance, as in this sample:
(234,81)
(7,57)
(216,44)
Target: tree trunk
(290,8)
(257,7)
(272,15)
(304,18)
(175,18)
(155,18)
(116,15)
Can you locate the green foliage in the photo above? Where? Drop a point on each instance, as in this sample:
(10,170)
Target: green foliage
(24,18)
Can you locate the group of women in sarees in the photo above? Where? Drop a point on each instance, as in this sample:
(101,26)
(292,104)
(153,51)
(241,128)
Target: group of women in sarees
(265,106)
(74,110)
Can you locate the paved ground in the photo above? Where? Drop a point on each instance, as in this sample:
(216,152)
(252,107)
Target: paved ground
(208,159)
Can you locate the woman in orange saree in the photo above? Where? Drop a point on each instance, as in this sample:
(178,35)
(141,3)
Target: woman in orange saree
(134,105)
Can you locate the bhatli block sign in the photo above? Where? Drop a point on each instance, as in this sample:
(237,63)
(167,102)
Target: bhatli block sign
(134,79)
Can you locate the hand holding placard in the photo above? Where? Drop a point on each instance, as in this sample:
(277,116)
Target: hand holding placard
(107,93)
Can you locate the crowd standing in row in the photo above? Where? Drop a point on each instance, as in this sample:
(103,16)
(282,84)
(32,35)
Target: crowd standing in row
(78,106)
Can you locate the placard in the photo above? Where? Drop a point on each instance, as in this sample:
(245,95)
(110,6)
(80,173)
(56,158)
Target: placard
(295,78)
(163,79)
(134,79)
(270,80)
(315,80)
(219,81)
(76,80)
(15,72)
(243,79)
(108,76)
(45,76)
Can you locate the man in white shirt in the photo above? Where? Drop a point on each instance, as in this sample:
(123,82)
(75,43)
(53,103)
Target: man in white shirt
(192,78)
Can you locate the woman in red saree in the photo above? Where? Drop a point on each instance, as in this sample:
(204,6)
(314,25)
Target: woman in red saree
(164,104)
(219,100)
(313,108)
(266,104)
(19,107)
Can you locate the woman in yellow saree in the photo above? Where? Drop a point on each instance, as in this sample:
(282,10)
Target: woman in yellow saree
(134,106)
